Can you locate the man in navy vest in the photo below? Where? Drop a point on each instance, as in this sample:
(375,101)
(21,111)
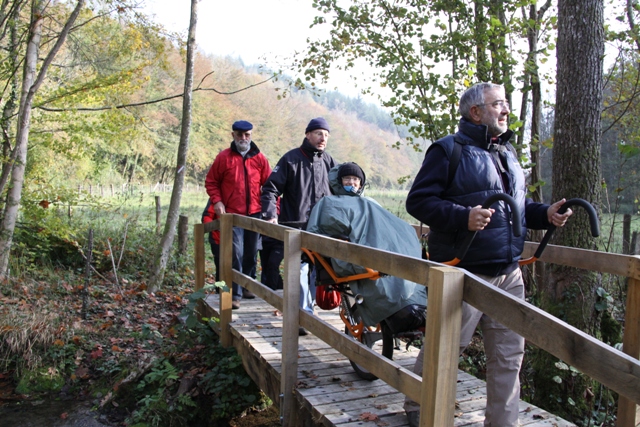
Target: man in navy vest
(451,207)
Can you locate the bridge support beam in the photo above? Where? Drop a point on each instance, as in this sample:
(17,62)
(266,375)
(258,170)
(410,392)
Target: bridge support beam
(440,370)
(226,275)
(290,324)
(628,411)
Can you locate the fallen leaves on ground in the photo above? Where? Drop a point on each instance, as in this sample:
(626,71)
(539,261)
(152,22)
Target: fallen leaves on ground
(368,416)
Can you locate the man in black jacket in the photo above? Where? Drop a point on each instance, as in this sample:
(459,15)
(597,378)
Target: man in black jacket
(302,178)
(451,206)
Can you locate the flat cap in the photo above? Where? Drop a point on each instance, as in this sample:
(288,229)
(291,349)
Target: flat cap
(242,125)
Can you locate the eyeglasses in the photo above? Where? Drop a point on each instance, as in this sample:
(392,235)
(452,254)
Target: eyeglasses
(499,104)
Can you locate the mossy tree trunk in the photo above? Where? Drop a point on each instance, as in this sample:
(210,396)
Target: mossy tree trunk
(569,293)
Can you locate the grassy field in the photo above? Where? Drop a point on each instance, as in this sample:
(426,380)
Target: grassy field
(109,216)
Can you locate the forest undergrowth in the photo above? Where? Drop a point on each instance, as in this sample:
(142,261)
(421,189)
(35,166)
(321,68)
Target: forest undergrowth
(141,359)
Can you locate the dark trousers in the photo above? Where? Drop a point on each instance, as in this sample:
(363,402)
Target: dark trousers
(271,255)
(245,256)
(215,251)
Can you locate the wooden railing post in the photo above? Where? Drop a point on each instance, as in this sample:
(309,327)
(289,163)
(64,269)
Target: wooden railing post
(226,275)
(628,411)
(291,322)
(442,338)
(198,254)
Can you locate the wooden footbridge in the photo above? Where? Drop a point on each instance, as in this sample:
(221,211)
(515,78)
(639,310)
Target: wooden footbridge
(310,379)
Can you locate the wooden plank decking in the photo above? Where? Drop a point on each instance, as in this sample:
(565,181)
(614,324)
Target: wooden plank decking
(328,388)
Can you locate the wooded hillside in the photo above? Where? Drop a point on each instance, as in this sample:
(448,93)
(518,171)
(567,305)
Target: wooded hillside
(139,143)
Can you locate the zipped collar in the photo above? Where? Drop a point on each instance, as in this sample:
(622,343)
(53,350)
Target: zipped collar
(480,136)
(309,150)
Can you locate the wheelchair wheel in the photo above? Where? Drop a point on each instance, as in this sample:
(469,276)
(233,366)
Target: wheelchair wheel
(379,340)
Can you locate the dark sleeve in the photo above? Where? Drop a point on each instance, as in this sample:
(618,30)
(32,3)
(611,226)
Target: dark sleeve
(425,200)
(273,188)
(536,215)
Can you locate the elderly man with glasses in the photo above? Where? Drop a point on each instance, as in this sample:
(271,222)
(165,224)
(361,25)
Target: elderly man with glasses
(448,199)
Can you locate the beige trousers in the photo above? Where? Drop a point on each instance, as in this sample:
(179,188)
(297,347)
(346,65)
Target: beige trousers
(504,350)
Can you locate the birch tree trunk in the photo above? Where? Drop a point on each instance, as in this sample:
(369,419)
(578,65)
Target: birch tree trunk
(30,85)
(166,243)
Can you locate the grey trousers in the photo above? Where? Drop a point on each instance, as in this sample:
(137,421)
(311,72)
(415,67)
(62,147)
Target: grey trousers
(504,350)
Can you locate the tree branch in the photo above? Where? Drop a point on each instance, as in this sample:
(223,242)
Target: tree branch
(54,51)
(154,101)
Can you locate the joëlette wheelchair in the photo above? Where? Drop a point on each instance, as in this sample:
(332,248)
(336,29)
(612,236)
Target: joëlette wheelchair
(334,291)
(339,292)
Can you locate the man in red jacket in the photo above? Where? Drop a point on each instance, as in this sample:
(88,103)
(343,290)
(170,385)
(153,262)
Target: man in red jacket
(234,184)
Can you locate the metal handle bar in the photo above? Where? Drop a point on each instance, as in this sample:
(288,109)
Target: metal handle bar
(593,222)
(517,224)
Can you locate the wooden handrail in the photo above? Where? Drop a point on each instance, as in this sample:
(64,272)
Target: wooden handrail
(618,371)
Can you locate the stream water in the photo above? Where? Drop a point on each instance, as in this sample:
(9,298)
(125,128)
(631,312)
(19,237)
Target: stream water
(50,413)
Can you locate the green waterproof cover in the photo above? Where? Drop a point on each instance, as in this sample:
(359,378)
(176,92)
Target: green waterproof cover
(367,223)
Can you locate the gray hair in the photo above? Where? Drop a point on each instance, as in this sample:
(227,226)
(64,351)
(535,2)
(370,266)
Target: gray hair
(474,96)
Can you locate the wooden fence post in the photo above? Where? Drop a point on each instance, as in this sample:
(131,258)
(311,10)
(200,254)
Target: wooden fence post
(626,234)
(158,214)
(628,411)
(290,325)
(183,234)
(442,333)
(111,185)
(198,254)
(226,275)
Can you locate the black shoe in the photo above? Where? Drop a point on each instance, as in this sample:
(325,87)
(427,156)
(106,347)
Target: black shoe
(235,305)
(302,331)
(414,418)
(247,294)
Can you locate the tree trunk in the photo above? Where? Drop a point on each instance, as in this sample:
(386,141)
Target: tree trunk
(183,234)
(30,85)
(22,136)
(533,35)
(576,150)
(532,83)
(134,166)
(481,41)
(10,106)
(160,262)
(569,293)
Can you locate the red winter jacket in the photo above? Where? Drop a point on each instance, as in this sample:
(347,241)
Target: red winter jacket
(237,181)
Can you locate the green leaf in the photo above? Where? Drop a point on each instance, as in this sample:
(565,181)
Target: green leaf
(561,365)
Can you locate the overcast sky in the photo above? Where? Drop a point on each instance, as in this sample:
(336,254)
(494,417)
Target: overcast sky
(254,30)
(246,28)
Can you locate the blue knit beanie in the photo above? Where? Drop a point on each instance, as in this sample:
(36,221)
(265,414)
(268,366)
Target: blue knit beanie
(317,123)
